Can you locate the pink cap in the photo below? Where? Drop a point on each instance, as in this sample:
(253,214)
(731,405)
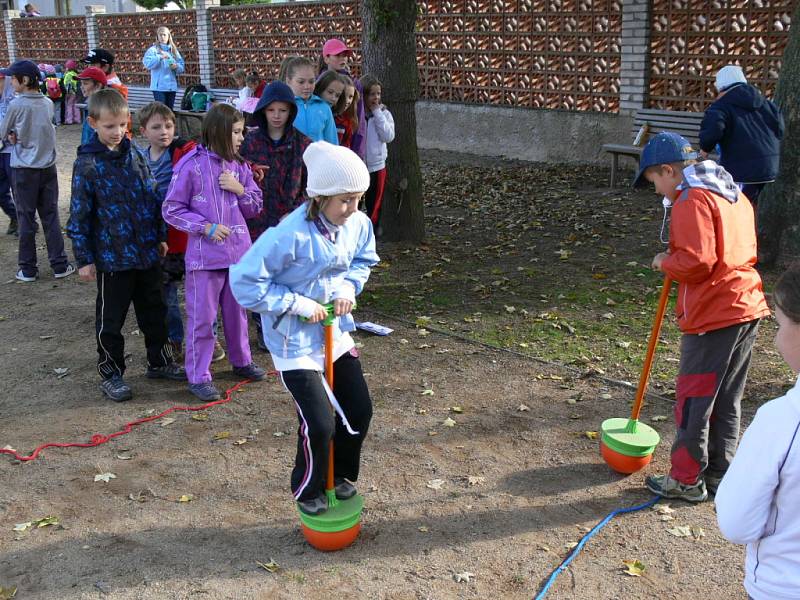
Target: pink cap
(71,64)
(333,47)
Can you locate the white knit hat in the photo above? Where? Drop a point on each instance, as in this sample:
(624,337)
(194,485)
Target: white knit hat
(334,170)
(728,76)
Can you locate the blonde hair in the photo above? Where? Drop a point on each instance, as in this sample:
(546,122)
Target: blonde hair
(291,64)
(314,208)
(170,41)
(107,99)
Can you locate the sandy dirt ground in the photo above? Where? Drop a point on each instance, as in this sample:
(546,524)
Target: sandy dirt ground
(501,495)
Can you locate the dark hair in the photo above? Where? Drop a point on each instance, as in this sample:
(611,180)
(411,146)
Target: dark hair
(149,111)
(368,82)
(787,293)
(291,64)
(322,84)
(107,99)
(218,130)
(33,82)
(252,77)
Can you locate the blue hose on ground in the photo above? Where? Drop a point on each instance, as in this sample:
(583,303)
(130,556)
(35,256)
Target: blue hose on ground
(576,550)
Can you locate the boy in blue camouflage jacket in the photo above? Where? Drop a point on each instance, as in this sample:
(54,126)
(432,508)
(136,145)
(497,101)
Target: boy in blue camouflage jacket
(118,236)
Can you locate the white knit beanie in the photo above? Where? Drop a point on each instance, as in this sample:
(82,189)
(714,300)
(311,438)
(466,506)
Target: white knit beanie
(728,76)
(334,170)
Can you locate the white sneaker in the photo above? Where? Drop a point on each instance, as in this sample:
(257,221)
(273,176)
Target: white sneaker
(20,276)
(66,272)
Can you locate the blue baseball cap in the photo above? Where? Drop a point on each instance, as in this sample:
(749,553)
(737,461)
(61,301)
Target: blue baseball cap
(23,67)
(664,148)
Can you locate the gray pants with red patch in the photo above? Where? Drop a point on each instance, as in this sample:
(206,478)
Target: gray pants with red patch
(713,373)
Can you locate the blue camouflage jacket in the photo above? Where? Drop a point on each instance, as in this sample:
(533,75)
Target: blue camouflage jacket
(115,214)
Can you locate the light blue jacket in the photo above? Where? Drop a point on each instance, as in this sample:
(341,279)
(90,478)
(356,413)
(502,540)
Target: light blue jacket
(315,119)
(294,258)
(162,77)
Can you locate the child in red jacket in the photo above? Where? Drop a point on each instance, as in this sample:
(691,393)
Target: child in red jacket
(712,254)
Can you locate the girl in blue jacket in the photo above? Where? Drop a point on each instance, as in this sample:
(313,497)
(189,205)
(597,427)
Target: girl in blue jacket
(165,63)
(314,116)
(320,253)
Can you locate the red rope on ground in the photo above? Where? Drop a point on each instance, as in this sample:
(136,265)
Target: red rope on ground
(98,438)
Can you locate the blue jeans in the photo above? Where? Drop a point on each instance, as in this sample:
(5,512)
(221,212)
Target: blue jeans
(174,318)
(167,98)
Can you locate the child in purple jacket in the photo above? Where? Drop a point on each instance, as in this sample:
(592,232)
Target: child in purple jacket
(211,193)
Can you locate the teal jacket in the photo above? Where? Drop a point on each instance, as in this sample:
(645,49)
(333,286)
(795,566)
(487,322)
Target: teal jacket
(315,119)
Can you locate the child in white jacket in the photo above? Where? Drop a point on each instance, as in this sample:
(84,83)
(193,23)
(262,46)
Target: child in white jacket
(758,501)
(380,131)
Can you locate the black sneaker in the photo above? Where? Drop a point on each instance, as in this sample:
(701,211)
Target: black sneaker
(314,506)
(252,372)
(667,487)
(204,391)
(116,388)
(344,489)
(13,228)
(172,371)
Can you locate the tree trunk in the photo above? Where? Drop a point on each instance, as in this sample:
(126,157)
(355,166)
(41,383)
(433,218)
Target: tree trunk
(779,203)
(390,54)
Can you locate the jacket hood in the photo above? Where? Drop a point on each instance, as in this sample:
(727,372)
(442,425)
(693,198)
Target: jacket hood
(710,176)
(744,96)
(277,91)
(94,146)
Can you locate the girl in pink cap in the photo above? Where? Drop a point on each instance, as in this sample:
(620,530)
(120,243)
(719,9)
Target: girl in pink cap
(72,114)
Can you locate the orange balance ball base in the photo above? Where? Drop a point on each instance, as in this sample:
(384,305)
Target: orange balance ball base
(329,541)
(622,463)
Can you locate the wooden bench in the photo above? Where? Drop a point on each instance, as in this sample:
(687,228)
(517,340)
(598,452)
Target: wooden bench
(188,123)
(686,124)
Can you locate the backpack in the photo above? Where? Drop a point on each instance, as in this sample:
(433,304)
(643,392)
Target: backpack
(71,82)
(200,101)
(186,102)
(53,86)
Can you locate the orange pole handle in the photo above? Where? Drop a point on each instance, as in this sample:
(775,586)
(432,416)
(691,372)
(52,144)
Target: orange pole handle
(329,379)
(651,349)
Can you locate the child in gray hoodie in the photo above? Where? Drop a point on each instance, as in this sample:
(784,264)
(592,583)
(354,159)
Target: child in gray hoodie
(28,128)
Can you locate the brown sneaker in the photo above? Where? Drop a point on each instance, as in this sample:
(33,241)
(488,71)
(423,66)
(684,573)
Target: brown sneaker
(219,352)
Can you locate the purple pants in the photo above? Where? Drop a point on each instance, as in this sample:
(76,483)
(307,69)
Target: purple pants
(206,291)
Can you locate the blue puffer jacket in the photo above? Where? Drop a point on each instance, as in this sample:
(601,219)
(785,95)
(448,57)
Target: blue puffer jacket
(163,78)
(748,129)
(294,258)
(115,214)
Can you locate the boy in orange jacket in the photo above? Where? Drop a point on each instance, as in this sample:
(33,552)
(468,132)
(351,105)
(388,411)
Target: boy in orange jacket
(712,256)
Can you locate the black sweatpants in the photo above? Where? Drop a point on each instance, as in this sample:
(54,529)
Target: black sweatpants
(115,292)
(318,424)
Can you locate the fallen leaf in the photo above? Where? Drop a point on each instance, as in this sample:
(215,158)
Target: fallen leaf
(570,545)
(271,566)
(46,522)
(422,332)
(423,529)
(403,341)
(523,408)
(104,477)
(571,401)
(222,435)
(124,457)
(606,396)
(658,418)
(200,416)
(608,315)
(448,422)
(435,484)
(61,371)
(186,498)
(166,421)
(23,526)
(592,435)
(278,434)
(464,577)
(665,518)
(6,593)
(663,509)
(46,337)
(475,480)
(422,321)
(610,302)
(240,442)
(433,433)
(622,344)
(633,568)
(427,392)
(698,532)
(510,309)
(680,531)
(456,409)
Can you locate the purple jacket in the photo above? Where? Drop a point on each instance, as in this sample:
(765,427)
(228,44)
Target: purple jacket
(195,199)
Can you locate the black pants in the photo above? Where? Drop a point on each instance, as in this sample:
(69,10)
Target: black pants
(115,292)
(318,424)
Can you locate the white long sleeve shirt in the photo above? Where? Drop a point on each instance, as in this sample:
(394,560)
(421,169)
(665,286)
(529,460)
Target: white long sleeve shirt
(758,501)
(380,131)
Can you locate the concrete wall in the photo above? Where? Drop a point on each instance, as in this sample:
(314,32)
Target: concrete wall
(525,134)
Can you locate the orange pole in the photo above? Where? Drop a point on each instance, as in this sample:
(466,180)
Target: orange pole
(651,349)
(329,379)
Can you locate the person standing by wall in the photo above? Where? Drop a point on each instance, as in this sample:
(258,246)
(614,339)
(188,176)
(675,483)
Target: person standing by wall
(748,129)
(165,63)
